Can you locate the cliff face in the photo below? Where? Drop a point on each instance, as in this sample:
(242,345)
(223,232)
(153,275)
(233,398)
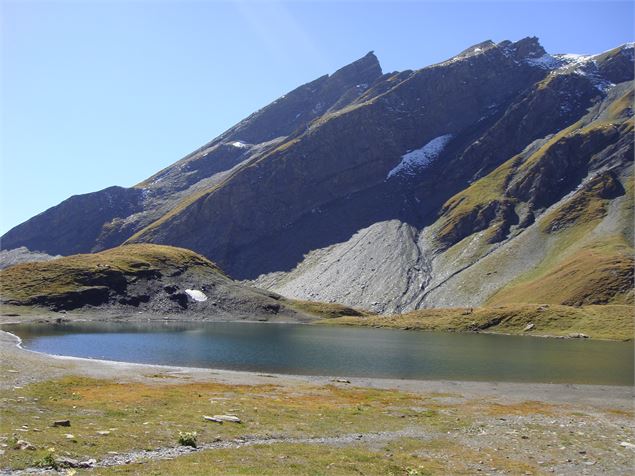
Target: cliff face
(395,191)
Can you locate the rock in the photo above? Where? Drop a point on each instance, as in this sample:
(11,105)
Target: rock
(626,444)
(66,462)
(222,418)
(577,335)
(23,445)
(68,436)
(103,432)
(341,380)
(62,423)
(529,327)
(13,371)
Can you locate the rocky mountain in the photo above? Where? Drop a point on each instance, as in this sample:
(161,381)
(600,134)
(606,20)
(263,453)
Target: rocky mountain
(503,174)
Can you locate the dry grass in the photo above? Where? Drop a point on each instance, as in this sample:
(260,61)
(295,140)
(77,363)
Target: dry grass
(589,204)
(146,416)
(325,310)
(70,273)
(602,322)
(592,275)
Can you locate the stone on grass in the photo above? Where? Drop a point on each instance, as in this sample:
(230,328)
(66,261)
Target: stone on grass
(222,418)
(529,327)
(23,445)
(62,423)
(626,444)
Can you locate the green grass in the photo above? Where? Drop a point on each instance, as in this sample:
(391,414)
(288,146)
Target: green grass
(602,322)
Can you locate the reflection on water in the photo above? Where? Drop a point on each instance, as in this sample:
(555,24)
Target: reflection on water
(318,350)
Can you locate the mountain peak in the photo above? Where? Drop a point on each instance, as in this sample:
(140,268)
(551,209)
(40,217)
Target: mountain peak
(477,48)
(527,48)
(366,69)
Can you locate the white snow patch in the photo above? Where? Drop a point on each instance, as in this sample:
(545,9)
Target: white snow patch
(569,59)
(545,61)
(196,295)
(420,158)
(239,144)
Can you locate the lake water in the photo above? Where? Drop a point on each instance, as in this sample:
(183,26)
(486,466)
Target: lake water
(339,351)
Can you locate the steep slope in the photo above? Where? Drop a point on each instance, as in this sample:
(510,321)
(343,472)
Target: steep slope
(490,176)
(334,173)
(104,219)
(551,225)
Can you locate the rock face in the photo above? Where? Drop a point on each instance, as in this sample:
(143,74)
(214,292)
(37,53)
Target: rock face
(22,255)
(446,185)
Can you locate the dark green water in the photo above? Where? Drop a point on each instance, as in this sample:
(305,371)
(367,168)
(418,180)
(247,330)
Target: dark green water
(342,351)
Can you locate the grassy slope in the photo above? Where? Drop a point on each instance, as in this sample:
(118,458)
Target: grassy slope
(72,272)
(602,322)
(325,310)
(580,267)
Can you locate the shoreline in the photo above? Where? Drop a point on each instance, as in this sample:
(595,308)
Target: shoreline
(41,366)
(46,316)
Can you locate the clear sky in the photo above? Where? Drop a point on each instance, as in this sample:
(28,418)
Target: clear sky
(100,93)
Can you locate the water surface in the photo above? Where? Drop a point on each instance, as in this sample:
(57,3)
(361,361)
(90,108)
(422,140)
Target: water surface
(342,351)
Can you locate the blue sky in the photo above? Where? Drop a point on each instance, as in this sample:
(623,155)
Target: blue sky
(100,93)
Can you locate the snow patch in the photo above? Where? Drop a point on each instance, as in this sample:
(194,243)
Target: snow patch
(545,61)
(420,158)
(196,295)
(239,144)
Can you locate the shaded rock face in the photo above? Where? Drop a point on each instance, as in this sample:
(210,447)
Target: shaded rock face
(312,169)
(74,225)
